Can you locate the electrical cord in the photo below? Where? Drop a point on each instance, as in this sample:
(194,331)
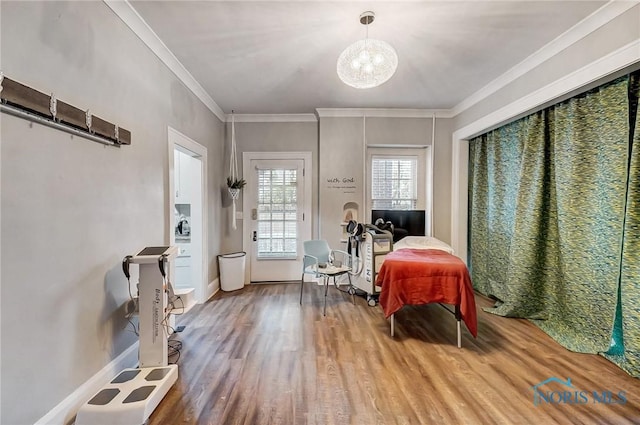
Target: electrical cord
(171,300)
(354,244)
(341,290)
(175,348)
(133,326)
(131,312)
(129,288)
(173,306)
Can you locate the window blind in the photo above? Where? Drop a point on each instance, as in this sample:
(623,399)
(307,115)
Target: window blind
(394,182)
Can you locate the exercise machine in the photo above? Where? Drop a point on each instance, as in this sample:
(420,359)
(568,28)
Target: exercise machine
(376,244)
(131,397)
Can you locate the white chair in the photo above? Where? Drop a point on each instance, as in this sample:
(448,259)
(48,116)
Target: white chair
(322,261)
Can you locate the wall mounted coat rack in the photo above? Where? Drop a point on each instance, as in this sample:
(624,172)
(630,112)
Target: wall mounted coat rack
(25,102)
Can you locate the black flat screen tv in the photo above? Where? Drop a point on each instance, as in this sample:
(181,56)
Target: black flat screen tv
(405,222)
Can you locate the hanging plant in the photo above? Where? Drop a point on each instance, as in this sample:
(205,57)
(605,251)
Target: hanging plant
(234,186)
(234,182)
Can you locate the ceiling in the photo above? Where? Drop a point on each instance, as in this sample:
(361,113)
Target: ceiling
(279,57)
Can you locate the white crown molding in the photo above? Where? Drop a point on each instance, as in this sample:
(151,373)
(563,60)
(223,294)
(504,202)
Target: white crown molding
(393,146)
(583,28)
(619,59)
(273,118)
(383,113)
(128,15)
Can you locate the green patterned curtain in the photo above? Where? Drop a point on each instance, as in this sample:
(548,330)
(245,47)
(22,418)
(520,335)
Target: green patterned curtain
(552,234)
(507,202)
(625,344)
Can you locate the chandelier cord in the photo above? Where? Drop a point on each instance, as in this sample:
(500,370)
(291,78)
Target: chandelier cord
(366,37)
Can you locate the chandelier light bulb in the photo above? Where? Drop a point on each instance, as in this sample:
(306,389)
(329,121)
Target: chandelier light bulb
(368,62)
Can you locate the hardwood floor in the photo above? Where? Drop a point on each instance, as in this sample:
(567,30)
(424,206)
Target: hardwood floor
(256,356)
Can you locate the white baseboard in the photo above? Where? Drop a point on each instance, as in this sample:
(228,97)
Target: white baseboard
(65,412)
(212,288)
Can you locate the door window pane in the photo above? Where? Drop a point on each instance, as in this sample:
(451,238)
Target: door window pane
(277,213)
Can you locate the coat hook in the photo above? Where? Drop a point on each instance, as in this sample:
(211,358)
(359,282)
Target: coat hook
(53,106)
(87,120)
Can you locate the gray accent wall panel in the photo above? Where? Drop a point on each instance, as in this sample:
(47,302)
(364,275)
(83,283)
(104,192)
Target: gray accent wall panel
(267,137)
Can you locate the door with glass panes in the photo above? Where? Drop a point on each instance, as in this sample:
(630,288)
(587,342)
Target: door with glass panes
(278,220)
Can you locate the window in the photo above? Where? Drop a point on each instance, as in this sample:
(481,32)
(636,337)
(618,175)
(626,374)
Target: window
(394,182)
(277,213)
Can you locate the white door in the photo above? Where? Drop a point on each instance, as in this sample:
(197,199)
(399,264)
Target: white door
(277,213)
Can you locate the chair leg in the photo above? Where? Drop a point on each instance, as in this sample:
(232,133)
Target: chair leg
(301,286)
(352,289)
(326,289)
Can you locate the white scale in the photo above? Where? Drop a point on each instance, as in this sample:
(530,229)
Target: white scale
(131,397)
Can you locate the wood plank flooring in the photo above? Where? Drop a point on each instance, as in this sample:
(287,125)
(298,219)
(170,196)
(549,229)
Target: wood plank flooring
(256,356)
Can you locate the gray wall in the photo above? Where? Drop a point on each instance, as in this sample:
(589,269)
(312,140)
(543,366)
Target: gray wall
(71,208)
(341,157)
(266,137)
(342,141)
(442,180)
(398,131)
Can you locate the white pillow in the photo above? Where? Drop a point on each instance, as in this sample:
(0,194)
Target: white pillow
(422,242)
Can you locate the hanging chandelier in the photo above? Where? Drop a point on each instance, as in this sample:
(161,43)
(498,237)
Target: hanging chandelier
(367,63)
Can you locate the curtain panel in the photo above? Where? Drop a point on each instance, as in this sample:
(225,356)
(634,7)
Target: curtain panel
(554,223)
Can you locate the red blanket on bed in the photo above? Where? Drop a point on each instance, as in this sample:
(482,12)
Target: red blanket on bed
(422,276)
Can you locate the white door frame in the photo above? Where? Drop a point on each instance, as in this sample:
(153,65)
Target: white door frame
(175,138)
(247,157)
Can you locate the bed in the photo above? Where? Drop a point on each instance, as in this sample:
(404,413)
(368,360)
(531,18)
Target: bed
(423,270)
